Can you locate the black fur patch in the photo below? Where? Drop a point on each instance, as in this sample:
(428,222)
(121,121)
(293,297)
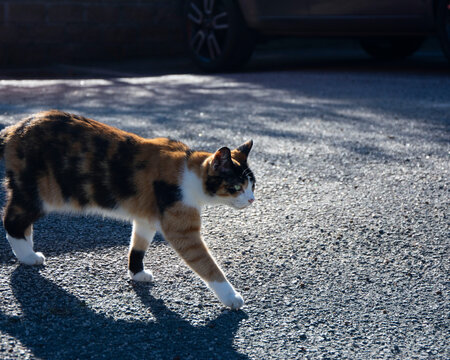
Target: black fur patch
(141,165)
(101,147)
(213,184)
(20,153)
(189,153)
(60,124)
(135,261)
(166,194)
(23,207)
(102,194)
(244,171)
(77,180)
(66,170)
(16,225)
(121,169)
(27,196)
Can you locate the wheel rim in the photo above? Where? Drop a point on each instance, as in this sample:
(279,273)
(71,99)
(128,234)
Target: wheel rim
(207,28)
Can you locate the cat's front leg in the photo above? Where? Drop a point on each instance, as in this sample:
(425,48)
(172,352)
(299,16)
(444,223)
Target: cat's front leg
(19,233)
(181,226)
(141,237)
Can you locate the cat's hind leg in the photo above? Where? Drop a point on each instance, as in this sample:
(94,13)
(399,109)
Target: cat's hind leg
(142,235)
(19,233)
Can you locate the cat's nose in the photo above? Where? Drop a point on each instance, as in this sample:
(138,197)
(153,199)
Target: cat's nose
(251,200)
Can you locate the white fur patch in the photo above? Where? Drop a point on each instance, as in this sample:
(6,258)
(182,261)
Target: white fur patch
(192,190)
(249,191)
(117,213)
(23,249)
(246,197)
(142,276)
(226,294)
(144,229)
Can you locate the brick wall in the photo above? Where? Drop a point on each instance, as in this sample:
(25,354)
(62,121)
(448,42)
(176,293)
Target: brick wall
(45,31)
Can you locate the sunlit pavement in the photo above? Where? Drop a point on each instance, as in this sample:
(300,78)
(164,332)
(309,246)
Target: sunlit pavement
(344,253)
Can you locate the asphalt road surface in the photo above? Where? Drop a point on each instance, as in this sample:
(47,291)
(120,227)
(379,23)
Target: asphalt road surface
(343,255)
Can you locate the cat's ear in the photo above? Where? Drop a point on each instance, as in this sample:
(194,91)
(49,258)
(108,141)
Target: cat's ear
(222,160)
(241,152)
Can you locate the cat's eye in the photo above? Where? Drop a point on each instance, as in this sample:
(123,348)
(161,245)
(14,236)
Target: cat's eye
(237,187)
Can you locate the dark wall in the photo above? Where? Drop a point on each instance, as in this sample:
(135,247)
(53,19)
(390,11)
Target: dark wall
(45,31)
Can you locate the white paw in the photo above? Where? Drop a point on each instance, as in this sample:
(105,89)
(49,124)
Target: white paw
(226,293)
(144,276)
(234,301)
(33,259)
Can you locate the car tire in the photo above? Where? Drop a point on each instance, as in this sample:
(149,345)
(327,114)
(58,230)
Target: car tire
(391,48)
(443,26)
(217,37)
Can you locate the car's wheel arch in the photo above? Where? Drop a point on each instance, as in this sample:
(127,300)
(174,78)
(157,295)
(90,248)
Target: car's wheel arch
(232,44)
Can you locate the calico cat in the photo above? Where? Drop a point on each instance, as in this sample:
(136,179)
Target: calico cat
(60,162)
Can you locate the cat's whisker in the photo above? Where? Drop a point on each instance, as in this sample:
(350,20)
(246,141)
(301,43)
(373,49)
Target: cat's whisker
(246,172)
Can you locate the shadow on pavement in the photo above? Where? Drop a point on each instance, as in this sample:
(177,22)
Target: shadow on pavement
(284,54)
(57,325)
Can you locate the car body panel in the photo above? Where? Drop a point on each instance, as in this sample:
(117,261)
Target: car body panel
(366,8)
(339,18)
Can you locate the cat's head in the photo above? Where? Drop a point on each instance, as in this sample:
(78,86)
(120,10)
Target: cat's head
(229,180)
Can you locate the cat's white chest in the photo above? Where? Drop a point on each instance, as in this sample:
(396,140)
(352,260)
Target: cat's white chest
(191,187)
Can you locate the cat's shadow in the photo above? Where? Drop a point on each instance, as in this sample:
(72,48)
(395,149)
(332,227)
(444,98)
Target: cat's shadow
(57,325)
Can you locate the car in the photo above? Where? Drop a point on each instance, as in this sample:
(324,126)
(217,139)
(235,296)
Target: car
(221,34)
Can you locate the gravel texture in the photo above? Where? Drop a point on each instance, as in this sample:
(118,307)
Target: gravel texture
(344,254)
